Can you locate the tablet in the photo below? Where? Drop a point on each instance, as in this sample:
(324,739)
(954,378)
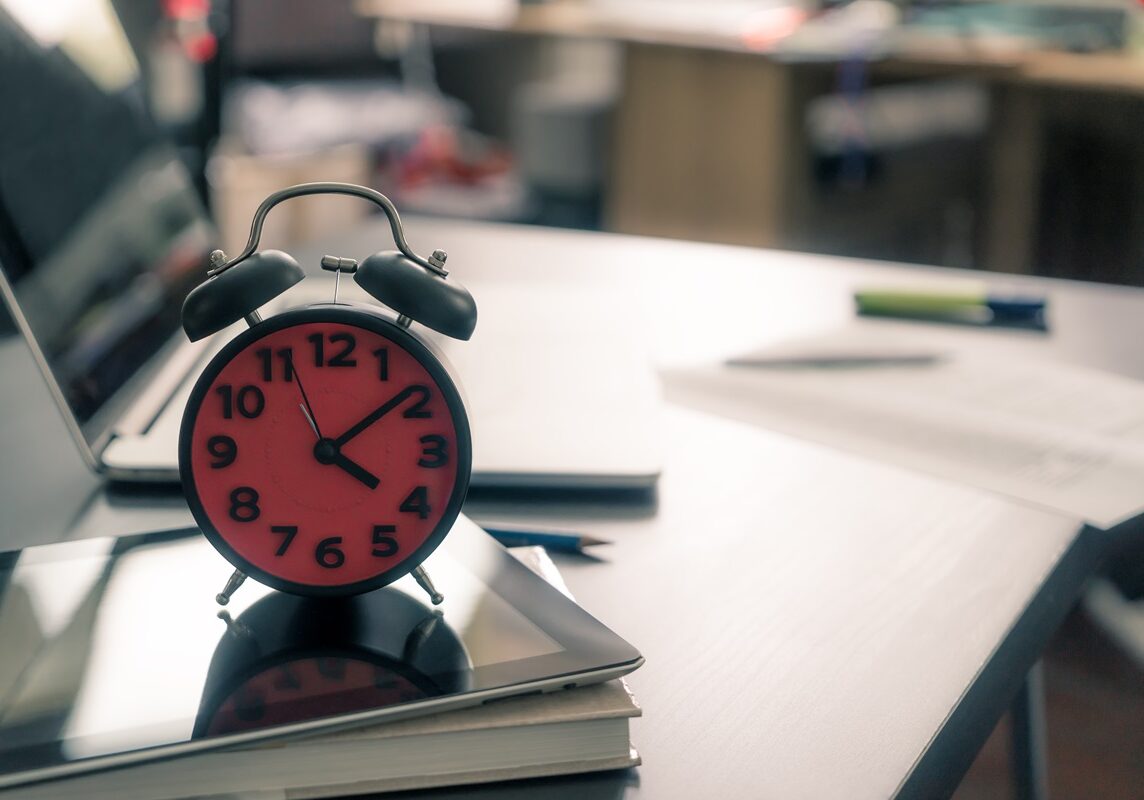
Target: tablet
(114,651)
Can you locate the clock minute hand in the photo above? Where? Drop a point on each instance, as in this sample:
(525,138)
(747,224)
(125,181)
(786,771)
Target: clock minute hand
(381,411)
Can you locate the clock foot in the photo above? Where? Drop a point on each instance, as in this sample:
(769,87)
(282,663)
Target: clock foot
(422,578)
(234,627)
(232,584)
(419,635)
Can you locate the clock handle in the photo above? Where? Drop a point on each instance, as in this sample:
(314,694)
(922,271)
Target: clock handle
(434,264)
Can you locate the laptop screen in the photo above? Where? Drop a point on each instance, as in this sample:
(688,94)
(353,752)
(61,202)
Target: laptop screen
(101,231)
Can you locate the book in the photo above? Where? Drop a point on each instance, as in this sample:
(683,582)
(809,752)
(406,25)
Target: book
(565,732)
(584,729)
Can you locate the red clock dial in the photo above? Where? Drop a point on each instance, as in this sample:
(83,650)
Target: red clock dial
(325,451)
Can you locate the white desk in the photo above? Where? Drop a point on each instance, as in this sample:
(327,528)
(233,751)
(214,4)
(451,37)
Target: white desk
(815,625)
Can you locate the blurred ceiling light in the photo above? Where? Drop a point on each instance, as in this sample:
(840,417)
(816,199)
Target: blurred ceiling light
(769,25)
(44,22)
(88,31)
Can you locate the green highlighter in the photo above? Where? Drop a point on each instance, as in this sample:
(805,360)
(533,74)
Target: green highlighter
(979,308)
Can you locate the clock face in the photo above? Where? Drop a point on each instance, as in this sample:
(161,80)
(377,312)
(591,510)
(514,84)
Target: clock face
(325,451)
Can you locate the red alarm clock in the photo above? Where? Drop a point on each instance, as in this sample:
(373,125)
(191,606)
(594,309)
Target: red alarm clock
(325,450)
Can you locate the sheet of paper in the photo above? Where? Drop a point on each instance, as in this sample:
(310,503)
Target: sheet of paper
(1060,436)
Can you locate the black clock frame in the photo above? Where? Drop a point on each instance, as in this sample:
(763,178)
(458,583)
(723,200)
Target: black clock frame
(376,321)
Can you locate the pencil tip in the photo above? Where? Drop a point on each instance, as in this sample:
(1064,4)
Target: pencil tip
(589,541)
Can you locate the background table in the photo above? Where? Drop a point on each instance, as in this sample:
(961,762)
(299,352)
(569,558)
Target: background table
(815,624)
(710,137)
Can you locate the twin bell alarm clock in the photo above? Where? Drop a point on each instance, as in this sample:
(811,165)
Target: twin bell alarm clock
(325,450)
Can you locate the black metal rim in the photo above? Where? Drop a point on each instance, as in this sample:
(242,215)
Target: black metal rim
(370,319)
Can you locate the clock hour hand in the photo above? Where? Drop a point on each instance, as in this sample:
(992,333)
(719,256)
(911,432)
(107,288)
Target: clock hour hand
(356,470)
(382,410)
(326,452)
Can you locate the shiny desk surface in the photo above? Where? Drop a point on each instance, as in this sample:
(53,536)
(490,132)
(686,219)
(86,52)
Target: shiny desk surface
(815,624)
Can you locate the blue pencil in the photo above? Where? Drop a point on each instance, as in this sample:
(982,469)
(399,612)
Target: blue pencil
(551,540)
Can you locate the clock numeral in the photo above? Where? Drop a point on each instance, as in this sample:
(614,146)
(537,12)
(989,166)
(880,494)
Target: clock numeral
(249,401)
(286,679)
(328,555)
(331,668)
(418,409)
(318,340)
(385,544)
(382,356)
(285,355)
(290,531)
(244,504)
(417,502)
(383,678)
(250,705)
(433,452)
(338,359)
(342,357)
(224,449)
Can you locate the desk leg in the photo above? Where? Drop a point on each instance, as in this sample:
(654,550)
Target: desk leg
(1012,205)
(1030,763)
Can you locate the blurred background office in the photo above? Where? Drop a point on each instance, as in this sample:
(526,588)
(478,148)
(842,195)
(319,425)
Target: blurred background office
(988,135)
(995,136)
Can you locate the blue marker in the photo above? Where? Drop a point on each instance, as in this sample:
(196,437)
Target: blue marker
(980,306)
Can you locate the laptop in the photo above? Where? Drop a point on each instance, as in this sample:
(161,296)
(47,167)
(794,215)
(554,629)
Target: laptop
(102,235)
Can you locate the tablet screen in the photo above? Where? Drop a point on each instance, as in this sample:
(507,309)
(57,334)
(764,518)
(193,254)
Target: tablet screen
(115,646)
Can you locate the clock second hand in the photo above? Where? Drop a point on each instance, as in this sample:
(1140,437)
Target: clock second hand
(310,418)
(307,409)
(327,451)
